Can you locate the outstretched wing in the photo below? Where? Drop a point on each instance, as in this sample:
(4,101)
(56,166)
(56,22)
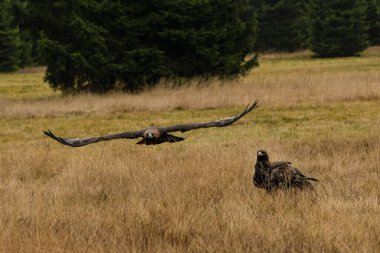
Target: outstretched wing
(217,123)
(78,142)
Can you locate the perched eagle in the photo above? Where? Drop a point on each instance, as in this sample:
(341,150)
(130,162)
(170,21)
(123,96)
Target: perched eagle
(278,175)
(153,135)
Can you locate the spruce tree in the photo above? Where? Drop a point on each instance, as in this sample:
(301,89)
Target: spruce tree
(96,45)
(338,27)
(281,25)
(373,19)
(10,42)
(29,52)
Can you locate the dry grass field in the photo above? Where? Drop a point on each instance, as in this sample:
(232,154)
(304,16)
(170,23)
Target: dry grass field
(197,195)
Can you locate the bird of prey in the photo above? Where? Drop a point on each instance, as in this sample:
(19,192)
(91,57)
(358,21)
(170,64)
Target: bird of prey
(153,135)
(278,175)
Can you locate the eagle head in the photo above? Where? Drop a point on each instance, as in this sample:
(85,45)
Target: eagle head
(262,156)
(152,133)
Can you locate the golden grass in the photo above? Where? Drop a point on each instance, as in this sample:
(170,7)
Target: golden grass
(278,81)
(197,195)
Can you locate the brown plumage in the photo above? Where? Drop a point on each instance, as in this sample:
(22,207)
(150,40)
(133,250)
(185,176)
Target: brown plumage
(153,135)
(278,175)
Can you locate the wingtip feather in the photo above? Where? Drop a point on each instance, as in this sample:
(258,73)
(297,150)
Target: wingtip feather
(247,110)
(253,106)
(48,133)
(59,139)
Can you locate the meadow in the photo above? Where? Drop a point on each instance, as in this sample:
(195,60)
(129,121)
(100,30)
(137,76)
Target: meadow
(323,115)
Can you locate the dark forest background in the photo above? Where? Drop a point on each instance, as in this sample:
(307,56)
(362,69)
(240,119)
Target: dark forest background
(96,46)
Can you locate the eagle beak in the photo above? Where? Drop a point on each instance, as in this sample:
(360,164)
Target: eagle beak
(259,153)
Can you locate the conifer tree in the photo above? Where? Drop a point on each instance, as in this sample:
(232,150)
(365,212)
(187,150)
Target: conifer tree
(281,25)
(96,45)
(29,51)
(9,39)
(373,19)
(338,28)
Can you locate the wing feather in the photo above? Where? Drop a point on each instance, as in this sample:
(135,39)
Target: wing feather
(78,142)
(217,123)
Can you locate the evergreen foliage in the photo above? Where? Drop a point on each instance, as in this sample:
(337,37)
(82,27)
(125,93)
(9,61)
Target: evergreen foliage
(373,19)
(10,43)
(282,25)
(338,28)
(30,55)
(29,51)
(97,45)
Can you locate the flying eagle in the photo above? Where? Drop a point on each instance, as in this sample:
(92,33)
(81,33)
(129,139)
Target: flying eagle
(153,135)
(278,175)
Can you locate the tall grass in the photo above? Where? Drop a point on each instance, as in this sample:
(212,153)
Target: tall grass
(197,195)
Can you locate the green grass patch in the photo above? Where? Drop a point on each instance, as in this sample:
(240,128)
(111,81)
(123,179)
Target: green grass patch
(302,122)
(25,86)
